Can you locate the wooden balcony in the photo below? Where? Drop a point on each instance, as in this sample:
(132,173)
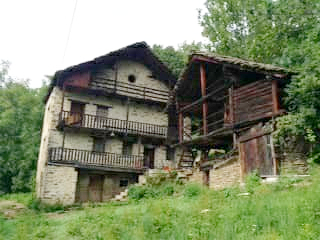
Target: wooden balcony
(130,89)
(83,158)
(79,120)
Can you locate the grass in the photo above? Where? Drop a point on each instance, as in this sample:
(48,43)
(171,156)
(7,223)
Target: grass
(289,209)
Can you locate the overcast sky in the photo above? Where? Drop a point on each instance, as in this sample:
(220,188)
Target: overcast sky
(34,33)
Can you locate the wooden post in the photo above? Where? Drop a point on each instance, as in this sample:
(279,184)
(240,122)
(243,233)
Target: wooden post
(180,126)
(231,112)
(203,85)
(275,98)
(273,154)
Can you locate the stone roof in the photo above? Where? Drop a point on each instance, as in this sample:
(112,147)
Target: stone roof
(243,64)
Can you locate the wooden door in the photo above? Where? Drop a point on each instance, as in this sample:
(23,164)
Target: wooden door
(76,113)
(256,155)
(149,157)
(95,188)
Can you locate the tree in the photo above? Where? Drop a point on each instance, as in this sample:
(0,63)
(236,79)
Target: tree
(21,113)
(176,59)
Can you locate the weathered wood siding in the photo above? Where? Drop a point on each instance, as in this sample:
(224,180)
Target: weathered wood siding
(253,101)
(256,153)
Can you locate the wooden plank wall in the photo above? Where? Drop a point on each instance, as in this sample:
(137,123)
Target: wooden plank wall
(253,101)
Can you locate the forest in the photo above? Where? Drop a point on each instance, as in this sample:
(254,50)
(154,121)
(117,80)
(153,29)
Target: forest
(284,33)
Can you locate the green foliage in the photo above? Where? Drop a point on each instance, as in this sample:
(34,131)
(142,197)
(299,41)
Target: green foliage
(253,180)
(157,186)
(193,190)
(176,59)
(21,113)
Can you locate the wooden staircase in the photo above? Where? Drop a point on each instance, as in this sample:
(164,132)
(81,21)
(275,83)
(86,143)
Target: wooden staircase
(186,159)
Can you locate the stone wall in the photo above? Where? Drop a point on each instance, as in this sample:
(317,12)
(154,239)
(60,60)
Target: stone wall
(59,185)
(142,74)
(53,107)
(197,176)
(225,175)
(293,163)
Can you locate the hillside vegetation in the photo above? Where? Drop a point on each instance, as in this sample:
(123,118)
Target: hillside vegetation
(289,209)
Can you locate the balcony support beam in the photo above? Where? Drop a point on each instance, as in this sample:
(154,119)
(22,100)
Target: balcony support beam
(203,84)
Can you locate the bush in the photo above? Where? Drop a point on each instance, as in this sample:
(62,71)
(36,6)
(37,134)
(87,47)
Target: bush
(37,205)
(253,181)
(192,190)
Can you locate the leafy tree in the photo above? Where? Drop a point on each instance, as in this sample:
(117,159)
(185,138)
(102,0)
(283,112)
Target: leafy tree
(176,59)
(21,113)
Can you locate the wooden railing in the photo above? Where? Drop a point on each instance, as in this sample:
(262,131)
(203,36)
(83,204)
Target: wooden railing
(112,124)
(99,159)
(130,89)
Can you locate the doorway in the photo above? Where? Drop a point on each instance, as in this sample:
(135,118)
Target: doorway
(95,188)
(76,113)
(149,157)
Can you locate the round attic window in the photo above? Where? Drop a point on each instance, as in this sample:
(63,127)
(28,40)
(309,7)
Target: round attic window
(132,78)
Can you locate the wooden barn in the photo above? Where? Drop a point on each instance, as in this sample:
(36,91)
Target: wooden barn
(228,103)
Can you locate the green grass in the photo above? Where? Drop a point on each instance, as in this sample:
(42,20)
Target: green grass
(289,209)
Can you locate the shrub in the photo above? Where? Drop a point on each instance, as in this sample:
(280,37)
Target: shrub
(37,205)
(192,190)
(253,180)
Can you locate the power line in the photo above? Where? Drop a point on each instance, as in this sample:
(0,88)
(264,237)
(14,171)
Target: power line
(69,33)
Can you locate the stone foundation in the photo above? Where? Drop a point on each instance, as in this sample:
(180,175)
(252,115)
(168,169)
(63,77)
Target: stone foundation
(293,164)
(59,185)
(225,175)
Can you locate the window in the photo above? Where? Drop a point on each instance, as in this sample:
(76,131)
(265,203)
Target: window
(132,78)
(170,153)
(102,111)
(98,145)
(127,148)
(124,182)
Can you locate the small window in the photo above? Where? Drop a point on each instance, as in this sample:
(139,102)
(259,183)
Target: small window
(124,182)
(132,78)
(170,153)
(127,148)
(99,144)
(102,111)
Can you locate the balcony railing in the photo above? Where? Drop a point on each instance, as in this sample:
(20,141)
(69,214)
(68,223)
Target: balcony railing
(97,159)
(130,89)
(112,124)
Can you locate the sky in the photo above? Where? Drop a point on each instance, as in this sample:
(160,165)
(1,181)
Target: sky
(34,33)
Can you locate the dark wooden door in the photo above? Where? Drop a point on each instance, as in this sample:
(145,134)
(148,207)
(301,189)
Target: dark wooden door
(76,113)
(95,188)
(149,157)
(256,155)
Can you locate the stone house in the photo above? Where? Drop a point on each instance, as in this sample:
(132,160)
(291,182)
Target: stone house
(105,123)
(226,104)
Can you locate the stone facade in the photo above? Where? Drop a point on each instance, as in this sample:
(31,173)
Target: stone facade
(62,183)
(225,175)
(59,185)
(293,164)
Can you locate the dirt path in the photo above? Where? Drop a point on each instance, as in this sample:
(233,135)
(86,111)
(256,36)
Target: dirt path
(9,209)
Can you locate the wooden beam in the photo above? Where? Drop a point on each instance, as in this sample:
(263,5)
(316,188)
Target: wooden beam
(275,97)
(200,100)
(231,105)
(203,83)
